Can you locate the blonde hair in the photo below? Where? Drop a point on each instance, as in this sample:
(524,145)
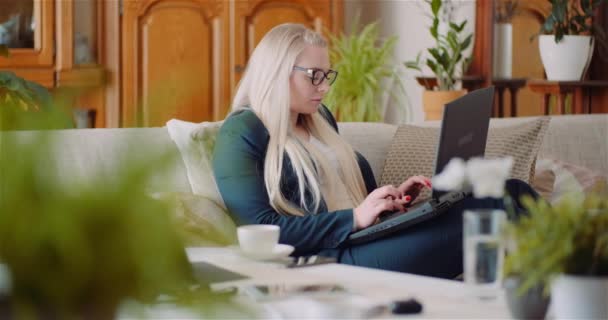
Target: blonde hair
(265,89)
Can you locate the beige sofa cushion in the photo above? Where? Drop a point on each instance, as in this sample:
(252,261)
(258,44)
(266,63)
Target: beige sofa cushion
(81,155)
(195,142)
(372,140)
(413,149)
(578,139)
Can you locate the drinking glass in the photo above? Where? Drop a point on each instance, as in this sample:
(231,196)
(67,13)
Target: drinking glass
(483,251)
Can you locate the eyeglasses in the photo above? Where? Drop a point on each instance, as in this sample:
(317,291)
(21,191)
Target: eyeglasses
(317,76)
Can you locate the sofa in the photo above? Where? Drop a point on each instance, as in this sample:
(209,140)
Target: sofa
(574,150)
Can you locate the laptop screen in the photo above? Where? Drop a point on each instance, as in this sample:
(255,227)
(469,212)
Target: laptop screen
(464,129)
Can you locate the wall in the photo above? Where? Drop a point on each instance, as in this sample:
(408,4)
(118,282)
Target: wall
(409,20)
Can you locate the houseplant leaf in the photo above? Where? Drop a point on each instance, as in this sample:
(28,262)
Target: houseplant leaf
(363,62)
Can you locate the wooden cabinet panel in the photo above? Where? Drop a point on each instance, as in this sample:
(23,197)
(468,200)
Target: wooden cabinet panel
(526,55)
(41,56)
(253,18)
(182,58)
(173,53)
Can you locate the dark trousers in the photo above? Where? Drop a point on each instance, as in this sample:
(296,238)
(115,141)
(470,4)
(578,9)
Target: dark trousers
(431,248)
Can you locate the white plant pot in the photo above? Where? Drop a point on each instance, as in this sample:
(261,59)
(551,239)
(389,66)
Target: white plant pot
(566,60)
(502,60)
(579,297)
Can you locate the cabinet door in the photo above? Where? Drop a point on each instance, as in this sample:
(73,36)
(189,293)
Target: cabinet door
(27,28)
(173,66)
(253,18)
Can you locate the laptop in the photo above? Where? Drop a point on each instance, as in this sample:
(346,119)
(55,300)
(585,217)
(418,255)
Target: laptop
(464,131)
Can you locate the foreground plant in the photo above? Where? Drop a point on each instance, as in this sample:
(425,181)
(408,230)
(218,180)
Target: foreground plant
(77,247)
(569,237)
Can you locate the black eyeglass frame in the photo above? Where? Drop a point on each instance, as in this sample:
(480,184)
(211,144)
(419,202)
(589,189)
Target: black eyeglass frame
(311,74)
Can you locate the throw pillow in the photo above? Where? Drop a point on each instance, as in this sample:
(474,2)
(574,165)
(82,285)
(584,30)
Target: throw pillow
(195,142)
(200,221)
(543,181)
(568,178)
(414,148)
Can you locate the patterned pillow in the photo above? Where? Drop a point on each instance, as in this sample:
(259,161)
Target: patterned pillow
(413,150)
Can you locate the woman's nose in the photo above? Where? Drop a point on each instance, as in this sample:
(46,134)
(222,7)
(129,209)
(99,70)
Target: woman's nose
(324,86)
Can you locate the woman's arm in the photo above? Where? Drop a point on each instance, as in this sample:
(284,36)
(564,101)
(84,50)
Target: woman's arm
(238,165)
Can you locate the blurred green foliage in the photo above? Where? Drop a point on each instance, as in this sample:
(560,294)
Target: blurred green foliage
(569,237)
(363,62)
(27,105)
(82,245)
(74,244)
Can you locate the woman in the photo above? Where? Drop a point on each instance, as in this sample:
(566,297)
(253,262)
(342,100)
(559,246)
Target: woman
(279,160)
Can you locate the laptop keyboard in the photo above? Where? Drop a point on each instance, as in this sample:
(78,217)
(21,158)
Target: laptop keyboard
(386,215)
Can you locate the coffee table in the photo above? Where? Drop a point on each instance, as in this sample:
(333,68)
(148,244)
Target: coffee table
(440,298)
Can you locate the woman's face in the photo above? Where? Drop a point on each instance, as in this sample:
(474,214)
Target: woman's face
(306,97)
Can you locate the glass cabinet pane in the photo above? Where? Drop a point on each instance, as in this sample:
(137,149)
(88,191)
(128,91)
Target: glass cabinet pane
(85,32)
(17,23)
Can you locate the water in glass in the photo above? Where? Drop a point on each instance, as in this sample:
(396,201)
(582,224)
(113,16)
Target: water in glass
(483,252)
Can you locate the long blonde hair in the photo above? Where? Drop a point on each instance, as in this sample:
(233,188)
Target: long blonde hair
(265,89)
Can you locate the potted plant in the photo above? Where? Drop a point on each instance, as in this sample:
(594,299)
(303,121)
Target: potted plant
(564,247)
(567,39)
(363,62)
(443,60)
(502,58)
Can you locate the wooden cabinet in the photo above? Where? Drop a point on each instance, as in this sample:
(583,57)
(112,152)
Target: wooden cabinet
(183,58)
(254,18)
(37,50)
(143,62)
(80,62)
(174,55)
(63,52)
(32,57)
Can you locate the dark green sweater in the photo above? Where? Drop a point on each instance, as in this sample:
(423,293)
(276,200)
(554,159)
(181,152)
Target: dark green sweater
(238,166)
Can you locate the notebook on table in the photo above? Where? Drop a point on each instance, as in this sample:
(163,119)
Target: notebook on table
(464,131)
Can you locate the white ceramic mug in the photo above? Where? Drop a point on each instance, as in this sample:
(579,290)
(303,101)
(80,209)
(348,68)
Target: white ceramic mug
(258,238)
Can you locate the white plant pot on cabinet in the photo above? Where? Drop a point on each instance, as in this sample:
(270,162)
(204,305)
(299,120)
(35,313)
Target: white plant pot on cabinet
(579,297)
(566,60)
(503,50)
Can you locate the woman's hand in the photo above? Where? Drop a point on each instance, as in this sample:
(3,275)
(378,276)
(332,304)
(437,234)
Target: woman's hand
(382,199)
(413,185)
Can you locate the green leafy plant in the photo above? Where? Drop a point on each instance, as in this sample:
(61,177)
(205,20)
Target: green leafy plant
(569,237)
(448,51)
(576,18)
(363,61)
(569,17)
(79,246)
(27,105)
(23,94)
